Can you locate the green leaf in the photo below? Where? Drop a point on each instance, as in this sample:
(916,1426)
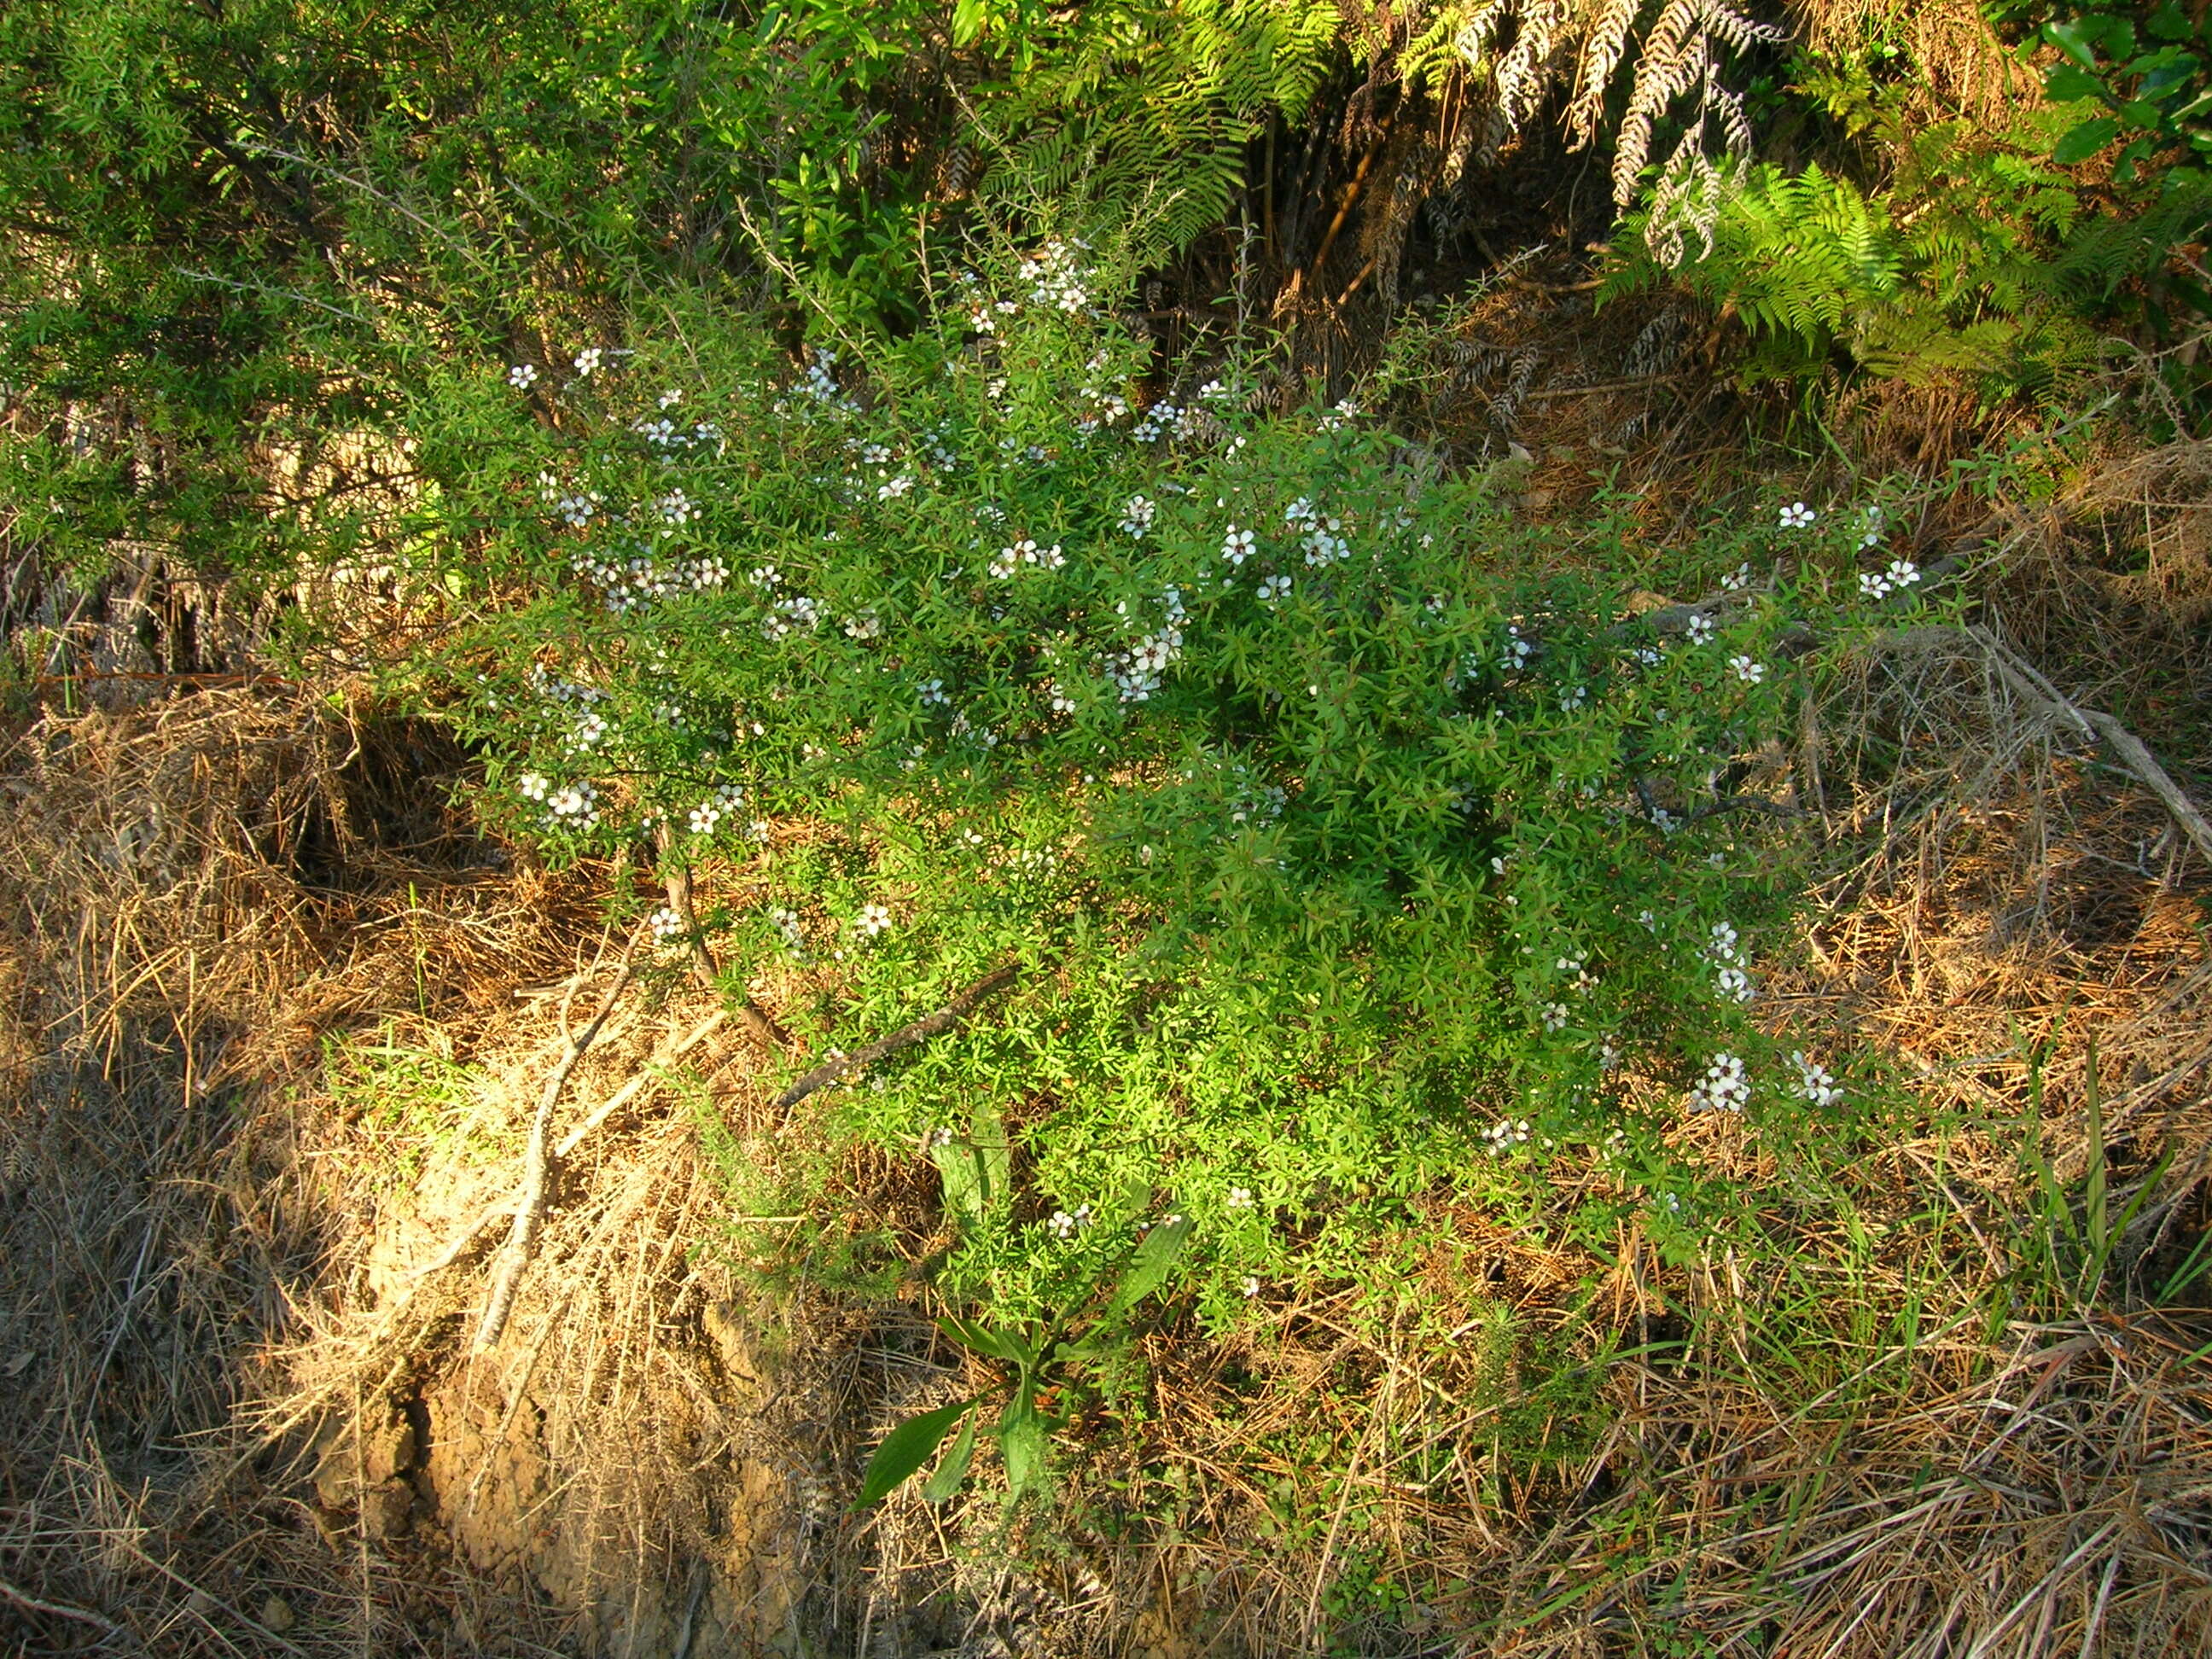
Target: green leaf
(954,1469)
(1150,1265)
(2072,39)
(2085,140)
(977,1173)
(969,19)
(2116,34)
(2094,1220)
(1007,1345)
(905,1450)
(970,1333)
(2065,84)
(2168,23)
(1022,1444)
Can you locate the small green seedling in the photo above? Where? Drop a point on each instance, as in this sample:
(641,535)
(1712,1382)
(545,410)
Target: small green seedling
(1040,1355)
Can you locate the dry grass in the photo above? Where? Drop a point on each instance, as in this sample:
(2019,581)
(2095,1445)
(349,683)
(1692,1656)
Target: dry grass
(195,892)
(274,1020)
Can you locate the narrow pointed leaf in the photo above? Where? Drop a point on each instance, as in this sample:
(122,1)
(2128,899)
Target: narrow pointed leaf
(905,1450)
(954,1469)
(1150,1265)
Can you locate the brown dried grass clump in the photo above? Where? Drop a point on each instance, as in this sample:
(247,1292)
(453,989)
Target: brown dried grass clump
(194,893)
(275,1020)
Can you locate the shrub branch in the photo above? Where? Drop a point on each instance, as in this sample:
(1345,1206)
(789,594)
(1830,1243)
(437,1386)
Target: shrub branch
(921,1030)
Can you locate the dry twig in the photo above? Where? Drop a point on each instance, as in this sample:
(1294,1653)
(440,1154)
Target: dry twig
(58,1609)
(530,1205)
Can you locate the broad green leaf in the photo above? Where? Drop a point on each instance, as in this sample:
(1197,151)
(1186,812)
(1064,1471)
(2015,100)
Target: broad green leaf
(2168,23)
(1005,1344)
(977,1173)
(953,1469)
(994,1157)
(2178,69)
(905,1450)
(2066,84)
(2085,140)
(970,1333)
(2072,39)
(1149,1265)
(2116,34)
(1022,1444)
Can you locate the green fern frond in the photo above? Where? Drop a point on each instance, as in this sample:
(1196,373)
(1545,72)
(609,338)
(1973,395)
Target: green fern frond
(1143,109)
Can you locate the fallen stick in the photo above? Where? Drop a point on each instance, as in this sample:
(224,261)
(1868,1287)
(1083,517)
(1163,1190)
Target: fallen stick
(59,1609)
(466,1240)
(530,1205)
(470,1238)
(638,1085)
(676,881)
(2025,682)
(2127,748)
(921,1030)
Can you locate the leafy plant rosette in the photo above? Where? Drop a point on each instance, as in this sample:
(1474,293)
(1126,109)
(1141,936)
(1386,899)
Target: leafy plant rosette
(1353,840)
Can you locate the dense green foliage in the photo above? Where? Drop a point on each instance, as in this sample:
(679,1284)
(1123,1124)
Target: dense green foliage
(1355,841)
(1347,841)
(1924,250)
(228,223)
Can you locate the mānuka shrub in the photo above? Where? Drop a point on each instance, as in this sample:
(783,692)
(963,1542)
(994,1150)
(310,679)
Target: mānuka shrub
(1352,839)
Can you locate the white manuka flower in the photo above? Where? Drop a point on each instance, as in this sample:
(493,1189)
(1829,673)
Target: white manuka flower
(1723,1088)
(522,376)
(578,803)
(789,927)
(1505,1135)
(1880,585)
(1797,516)
(1815,1083)
(1066,1225)
(1237,545)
